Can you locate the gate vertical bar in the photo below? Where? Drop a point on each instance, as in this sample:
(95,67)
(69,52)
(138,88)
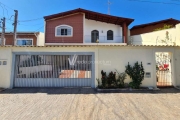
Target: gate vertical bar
(61,72)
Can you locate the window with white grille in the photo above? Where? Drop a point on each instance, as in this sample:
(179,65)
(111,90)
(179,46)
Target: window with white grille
(64,30)
(24,42)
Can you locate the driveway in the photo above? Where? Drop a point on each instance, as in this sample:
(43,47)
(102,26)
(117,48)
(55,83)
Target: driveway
(85,104)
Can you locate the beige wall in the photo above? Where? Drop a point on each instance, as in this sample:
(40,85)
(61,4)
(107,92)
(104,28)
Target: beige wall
(5,70)
(119,56)
(177,66)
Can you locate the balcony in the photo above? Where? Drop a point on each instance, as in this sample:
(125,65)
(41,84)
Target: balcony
(103,40)
(89,40)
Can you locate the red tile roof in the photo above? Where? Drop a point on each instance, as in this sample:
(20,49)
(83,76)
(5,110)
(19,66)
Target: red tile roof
(171,20)
(93,16)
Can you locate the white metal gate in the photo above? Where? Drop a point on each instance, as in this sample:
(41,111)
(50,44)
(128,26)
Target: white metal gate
(53,70)
(163,69)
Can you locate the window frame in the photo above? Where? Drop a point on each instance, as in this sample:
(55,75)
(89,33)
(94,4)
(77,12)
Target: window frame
(63,28)
(24,39)
(110,36)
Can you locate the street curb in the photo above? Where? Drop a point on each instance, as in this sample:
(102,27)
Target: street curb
(177,88)
(2,89)
(128,89)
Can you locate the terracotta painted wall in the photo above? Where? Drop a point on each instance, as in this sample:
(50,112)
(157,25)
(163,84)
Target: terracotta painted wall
(10,40)
(75,21)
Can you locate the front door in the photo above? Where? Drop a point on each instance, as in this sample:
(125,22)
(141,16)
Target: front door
(94,36)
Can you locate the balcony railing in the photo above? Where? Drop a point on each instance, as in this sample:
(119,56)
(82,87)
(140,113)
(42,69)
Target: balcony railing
(102,39)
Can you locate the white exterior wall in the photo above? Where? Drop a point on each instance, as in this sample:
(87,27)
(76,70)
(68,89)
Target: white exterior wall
(40,39)
(91,25)
(154,38)
(117,55)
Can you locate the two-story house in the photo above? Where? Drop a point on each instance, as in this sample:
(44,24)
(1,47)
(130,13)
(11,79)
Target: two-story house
(24,39)
(56,66)
(82,26)
(78,45)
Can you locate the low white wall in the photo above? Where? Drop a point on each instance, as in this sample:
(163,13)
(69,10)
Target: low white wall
(116,57)
(120,57)
(156,37)
(102,27)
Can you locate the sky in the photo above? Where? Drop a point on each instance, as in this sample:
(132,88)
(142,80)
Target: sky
(31,12)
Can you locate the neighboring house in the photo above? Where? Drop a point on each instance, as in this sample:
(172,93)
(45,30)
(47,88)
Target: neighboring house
(24,39)
(165,32)
(150,27)
(84,27)
(160,33)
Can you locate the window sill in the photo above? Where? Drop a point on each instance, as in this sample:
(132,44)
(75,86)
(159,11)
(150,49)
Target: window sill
(63,36)
(24,45)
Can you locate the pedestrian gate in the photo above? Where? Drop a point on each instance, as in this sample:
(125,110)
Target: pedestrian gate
(163,69)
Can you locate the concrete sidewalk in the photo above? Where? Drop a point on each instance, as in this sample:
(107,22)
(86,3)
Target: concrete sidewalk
(87,104)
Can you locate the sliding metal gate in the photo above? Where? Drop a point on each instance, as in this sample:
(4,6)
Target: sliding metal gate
(53,70)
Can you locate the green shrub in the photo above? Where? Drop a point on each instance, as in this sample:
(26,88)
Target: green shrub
(120,79)
(104,79)
(110,80)
(136,73)
(99,83)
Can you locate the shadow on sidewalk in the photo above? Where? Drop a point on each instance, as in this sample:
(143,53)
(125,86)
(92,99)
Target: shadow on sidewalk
(82,91)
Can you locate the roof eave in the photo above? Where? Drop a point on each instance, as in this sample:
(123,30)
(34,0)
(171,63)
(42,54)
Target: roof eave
(152,23)
(127,20)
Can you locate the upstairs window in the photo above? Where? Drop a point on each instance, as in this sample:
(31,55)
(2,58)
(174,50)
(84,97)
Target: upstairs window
(63,30)
(24,42)
(109,35)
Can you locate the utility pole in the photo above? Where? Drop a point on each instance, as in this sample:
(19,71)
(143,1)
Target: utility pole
(15,25)
(3,30)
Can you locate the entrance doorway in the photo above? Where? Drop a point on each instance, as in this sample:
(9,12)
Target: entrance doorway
(163,69)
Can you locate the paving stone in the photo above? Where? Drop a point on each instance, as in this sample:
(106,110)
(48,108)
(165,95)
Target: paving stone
(86,104)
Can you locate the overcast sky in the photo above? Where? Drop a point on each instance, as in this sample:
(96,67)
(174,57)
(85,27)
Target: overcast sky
(143,11)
